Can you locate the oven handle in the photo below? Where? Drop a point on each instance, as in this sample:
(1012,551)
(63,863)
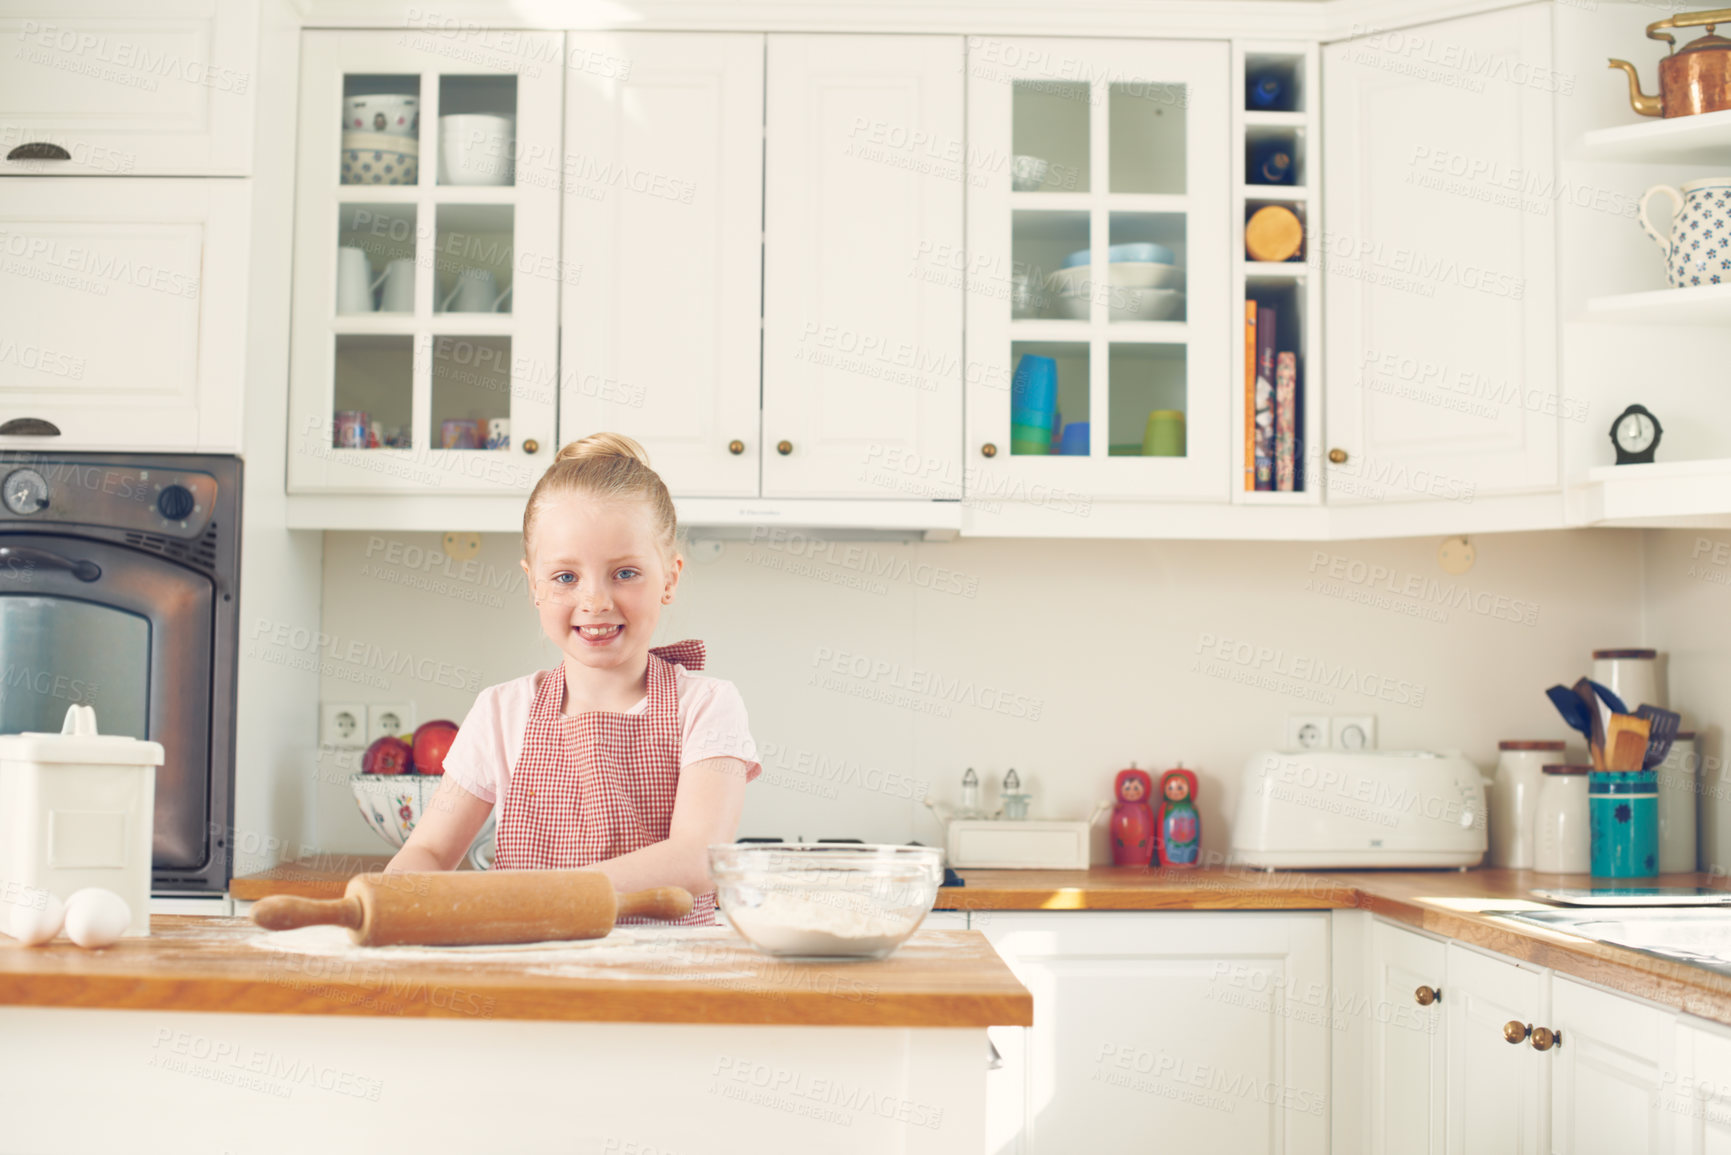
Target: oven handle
(84,569)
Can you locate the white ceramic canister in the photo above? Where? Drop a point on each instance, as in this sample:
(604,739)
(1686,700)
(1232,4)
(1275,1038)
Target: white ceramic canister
(1714,850)
(77,809)
(1515,799)
(1679,792)
(1562,841)
(1633,675)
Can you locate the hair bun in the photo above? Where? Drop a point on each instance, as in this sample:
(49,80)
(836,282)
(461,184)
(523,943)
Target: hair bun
(602,445)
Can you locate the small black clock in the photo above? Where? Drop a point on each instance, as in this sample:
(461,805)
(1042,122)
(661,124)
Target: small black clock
(1636,433)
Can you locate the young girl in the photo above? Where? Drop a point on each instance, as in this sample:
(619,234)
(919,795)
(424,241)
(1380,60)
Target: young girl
(621,758)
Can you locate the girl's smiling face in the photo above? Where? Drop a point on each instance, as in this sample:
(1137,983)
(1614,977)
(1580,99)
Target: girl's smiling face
(599,579)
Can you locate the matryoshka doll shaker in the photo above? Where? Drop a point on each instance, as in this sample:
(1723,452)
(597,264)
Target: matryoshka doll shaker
(1178,827)
(1133,819)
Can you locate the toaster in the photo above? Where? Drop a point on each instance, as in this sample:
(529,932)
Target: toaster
(1373,808)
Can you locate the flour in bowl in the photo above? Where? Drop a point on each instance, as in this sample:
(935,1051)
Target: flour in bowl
(792,923)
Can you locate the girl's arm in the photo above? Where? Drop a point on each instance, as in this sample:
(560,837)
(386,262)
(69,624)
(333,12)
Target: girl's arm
(706,811)
(442,836)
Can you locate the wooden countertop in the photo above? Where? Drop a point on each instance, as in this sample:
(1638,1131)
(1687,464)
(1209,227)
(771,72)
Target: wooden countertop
(1450,903)
(938,978)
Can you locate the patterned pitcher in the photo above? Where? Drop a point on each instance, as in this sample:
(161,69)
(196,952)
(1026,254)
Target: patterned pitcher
(1698,251)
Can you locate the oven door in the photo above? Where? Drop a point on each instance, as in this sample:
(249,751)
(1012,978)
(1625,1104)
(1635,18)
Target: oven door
(85,622)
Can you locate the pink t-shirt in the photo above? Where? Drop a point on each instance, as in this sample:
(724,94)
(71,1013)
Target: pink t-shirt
(712,724)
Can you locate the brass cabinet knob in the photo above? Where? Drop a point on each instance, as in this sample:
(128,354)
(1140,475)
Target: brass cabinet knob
(988,450)
(784,447)
(1544,1038)
(736,447)
(1338,456)
(531,446)
(1427,995)
(1515,1032)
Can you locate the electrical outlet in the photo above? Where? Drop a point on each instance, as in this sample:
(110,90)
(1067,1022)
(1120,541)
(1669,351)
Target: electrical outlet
(390,720)
(1307,731)
(1355,732)
(342,724)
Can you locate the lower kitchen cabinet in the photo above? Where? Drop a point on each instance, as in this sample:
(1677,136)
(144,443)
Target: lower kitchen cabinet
(1698,1098)
(1613,1071)
(1204,1031)
(1496,1092)
(1406,1038)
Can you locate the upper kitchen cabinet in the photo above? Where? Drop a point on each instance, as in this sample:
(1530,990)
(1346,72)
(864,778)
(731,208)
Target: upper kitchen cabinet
(1441,282)
(862,323)
(663,219)
(427,269)
(123,314)
(1098,268)
(104,88)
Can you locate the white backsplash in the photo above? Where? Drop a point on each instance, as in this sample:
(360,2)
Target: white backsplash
(877,672)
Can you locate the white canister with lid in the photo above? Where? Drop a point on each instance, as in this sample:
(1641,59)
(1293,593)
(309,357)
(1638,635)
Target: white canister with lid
(1633,675)
(1562,842)
(1679,792)
(1515,799)
(77,809)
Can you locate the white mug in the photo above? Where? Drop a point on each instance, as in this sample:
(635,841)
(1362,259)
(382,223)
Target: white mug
(476,291)
(399,282)
(354,281)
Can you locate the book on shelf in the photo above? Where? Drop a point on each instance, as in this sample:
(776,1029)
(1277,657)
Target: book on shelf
(1285,421)
(1264,407)
(1249,396)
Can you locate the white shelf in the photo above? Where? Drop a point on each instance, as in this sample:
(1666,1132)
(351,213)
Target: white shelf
(1255,271)
(1703,139)
(1079,332)
(1071,202)
(1288,193)
(1265,119)
(1666,493)
(1701,305)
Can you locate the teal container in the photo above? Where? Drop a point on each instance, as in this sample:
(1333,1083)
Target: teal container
(1623,817)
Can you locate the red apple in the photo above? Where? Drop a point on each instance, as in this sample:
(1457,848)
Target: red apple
(388,756)
(432,741)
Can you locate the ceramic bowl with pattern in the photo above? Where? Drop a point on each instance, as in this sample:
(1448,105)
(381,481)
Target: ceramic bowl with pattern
(374,158)
(825,901)
(393,803)
(388,113)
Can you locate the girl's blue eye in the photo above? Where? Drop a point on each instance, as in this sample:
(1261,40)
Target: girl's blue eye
(564,579)
(627,574)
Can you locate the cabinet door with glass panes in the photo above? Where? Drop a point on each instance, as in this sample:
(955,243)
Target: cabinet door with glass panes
(1098,265)
(427,263)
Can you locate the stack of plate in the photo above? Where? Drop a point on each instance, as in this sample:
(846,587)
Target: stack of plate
(1142,284)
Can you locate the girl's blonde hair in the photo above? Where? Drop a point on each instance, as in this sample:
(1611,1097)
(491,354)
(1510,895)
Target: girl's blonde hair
(607,467)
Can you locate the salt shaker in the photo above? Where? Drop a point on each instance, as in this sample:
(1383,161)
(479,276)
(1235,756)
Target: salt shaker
(1015,802)
(970,807)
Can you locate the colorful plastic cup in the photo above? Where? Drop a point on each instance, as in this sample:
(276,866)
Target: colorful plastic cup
(1034,418)
(1074,442)
(1164,435)
(1029,433)
(1034,386)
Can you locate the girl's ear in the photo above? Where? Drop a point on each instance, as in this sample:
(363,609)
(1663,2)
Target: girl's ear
(529,580)
(673,569)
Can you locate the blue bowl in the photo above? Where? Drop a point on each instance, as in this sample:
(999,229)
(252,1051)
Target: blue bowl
(1141,251)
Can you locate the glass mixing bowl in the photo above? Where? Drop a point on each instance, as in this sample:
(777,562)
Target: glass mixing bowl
(825,901)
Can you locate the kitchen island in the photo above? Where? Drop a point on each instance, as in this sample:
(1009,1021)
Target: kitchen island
(211,1035)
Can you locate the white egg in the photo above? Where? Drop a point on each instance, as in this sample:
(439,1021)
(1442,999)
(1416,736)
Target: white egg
(96,918)
(34,925)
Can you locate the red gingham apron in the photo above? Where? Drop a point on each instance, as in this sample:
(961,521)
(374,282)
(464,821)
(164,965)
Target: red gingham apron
(597,785)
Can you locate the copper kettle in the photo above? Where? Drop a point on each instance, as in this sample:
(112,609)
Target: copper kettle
(1695,79)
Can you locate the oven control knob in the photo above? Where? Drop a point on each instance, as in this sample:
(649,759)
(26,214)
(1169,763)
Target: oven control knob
(175,502)
(25,492)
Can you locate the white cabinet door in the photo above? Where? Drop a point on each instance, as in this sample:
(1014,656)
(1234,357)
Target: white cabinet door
(663,217)
(1193,1031)
(862,373)
(164,89)
(1407,1042)
(1700,1099)
(123,313)
(436,370)
(1133,134)
(1614,1070)
(1442,341)
(1498,1093)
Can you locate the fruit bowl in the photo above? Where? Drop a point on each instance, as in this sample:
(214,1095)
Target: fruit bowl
(825,901)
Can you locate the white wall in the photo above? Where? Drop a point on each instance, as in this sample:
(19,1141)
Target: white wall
(1102,640)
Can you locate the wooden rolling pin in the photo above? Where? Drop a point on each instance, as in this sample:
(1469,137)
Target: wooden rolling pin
(473,907)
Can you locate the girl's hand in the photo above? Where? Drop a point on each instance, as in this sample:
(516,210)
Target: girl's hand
(706,809)
(447,826)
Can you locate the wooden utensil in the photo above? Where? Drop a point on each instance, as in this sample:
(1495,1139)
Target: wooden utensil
(473,907)
(1626,742)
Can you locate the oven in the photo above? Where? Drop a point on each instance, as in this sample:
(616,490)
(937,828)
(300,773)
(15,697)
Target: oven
(119,590)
